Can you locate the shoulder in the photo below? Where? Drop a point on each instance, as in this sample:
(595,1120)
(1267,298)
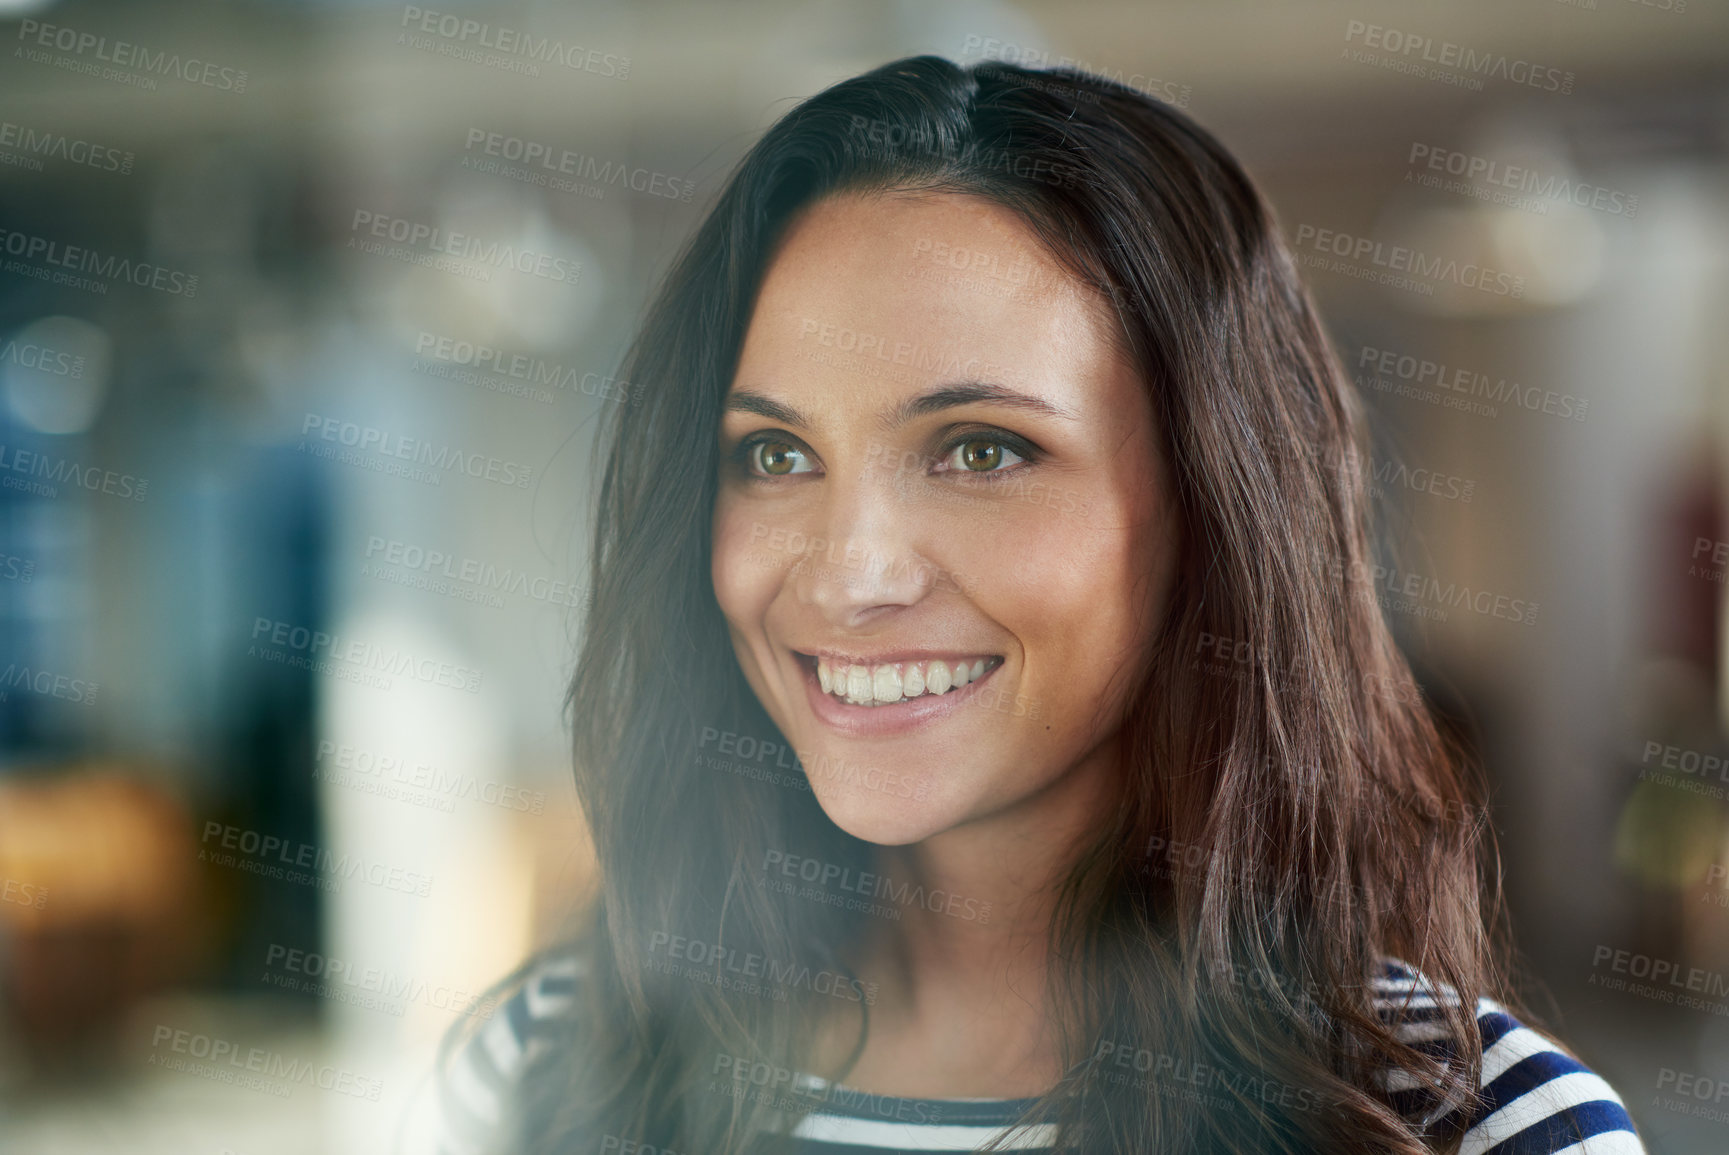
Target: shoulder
(1535,1097)
(462,1111)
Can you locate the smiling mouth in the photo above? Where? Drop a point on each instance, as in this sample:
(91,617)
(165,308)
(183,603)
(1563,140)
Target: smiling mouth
(893,683)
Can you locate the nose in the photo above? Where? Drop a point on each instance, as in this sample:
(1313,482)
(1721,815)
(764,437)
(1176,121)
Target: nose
(865,564)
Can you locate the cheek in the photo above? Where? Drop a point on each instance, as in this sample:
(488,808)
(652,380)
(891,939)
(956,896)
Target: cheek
(745,567)
(1079,610)
(1083,595)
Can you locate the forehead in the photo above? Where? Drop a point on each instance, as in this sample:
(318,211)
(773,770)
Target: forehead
(908,287)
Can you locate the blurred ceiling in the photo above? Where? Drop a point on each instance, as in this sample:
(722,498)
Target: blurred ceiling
(1250,67)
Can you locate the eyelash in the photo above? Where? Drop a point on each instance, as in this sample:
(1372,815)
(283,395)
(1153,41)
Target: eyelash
(742,455)
(1019,446)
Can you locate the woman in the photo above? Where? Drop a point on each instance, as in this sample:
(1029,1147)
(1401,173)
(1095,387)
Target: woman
(983,731)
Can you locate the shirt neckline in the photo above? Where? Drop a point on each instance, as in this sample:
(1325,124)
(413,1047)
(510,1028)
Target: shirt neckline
(820,1085)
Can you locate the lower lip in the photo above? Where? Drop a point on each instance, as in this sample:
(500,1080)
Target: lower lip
(884,721)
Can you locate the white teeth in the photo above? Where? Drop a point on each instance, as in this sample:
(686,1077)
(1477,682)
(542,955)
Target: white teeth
(858,684)
(937,680)
(888,683)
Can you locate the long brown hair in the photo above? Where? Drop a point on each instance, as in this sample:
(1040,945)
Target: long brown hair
(1293,812)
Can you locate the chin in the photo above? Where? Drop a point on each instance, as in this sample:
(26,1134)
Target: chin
(884,818)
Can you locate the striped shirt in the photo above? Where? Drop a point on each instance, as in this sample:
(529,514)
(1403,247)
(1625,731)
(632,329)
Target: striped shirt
(1537,1099)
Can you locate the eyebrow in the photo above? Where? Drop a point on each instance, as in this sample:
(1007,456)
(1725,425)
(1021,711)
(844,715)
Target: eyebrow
(945,397)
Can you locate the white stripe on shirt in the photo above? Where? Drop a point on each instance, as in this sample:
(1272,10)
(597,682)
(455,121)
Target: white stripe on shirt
(1545,1099)
(919,1136)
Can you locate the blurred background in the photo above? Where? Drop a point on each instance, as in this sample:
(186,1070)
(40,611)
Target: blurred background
(308,313)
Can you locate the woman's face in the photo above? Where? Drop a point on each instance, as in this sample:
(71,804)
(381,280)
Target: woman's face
(937,468)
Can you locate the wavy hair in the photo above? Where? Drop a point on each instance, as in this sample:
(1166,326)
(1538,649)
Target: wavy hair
(1327,818)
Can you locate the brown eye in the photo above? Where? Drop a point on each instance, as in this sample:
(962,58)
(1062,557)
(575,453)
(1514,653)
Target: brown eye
(981,455)
(778,458)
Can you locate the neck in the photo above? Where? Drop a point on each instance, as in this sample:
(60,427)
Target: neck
(969,951)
